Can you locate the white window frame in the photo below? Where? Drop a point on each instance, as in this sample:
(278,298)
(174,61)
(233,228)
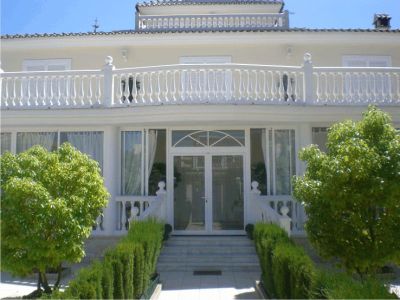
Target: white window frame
(46,63)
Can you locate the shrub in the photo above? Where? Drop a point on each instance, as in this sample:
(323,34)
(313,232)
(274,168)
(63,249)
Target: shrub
(266,236)
(107,280)
(330,285)
(114,260)
(87,284)
(352,193)
(293,272)
(249,230)
(125,254)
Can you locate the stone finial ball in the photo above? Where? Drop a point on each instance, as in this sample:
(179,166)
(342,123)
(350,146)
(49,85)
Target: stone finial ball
(109,60)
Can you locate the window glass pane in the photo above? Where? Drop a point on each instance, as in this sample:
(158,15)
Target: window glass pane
(184,138)
(157,159)
(131,162)
(88,142)
(258,159)
(320,137)
(26,140)
(227,138)
(5,142)
(285,167)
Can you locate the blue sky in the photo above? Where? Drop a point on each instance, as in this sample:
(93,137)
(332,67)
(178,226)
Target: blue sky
(47,16)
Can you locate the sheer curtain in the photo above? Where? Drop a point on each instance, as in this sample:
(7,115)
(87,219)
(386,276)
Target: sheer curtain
(26,140)
(89,142)
(152,147)
(284,161)
(131,162)
(5,142)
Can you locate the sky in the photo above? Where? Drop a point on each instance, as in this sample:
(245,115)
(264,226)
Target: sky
(56,16)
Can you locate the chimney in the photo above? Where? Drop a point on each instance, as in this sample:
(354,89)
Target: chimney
(382,21)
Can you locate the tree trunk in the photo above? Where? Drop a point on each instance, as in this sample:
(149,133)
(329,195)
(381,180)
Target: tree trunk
(57,283)
(39,283)
(45,284)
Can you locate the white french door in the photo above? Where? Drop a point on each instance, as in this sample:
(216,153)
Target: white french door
(208,193)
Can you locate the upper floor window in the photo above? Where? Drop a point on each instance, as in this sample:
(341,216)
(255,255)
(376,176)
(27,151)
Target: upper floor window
(366,61)
(33,65)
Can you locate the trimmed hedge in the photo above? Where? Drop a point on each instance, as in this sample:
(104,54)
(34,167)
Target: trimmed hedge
(266,237)
(289,273)
(293,272)
(126,270)
(329,285)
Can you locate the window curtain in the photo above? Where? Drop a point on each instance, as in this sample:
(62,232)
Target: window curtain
(5,142)
(88,142)
(132,163)
(285,161)
(26,140)
(152,147)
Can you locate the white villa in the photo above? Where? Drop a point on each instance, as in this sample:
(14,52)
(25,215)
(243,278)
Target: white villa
(197,115)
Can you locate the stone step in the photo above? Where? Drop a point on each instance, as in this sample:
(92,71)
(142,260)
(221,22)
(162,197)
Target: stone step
(208,241)
(208,258)
(194,266)
(188,250)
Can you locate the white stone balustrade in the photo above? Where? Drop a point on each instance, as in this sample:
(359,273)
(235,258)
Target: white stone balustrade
(282,210)
(213,22)
(140,207)
(200,83)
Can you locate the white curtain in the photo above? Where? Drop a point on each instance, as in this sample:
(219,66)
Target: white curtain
(132,163)
(88,142)
(284,161)
(26,140)
(152,147)
(5,142)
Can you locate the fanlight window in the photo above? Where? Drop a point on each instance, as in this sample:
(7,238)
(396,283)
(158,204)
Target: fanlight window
(215,138)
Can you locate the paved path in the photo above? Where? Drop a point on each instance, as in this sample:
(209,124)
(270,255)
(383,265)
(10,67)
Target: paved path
(228,285)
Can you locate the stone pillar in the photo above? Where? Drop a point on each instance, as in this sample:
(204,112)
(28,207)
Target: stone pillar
(108,88)
(111,176)
(308,83)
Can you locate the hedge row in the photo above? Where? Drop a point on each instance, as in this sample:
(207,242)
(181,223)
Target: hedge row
(289,273)
(125,272)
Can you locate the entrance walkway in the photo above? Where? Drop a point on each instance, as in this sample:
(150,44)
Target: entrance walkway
(208,267)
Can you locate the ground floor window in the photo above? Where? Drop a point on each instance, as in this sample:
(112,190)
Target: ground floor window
(88,142)
(320,137)
(26,140)
(273,160)
(143,161)
(5,142)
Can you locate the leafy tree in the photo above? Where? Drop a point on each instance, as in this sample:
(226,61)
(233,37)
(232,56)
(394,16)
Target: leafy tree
(49,203)
(352,193)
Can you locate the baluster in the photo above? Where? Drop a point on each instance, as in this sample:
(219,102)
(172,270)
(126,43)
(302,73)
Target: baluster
(142,90)
(334,87)
(5,89)
(58,91)
(383,90)
(174,89)
(256,85)
(125,92)
(89,97)
(263,86)
(98,92)
(326,89)
(51,93)
(165,92)
(281,91)
(118,88)
(158,90)
(73,91)
(81,95)
(36,91)
(67,81)
(150,87)
(318,89)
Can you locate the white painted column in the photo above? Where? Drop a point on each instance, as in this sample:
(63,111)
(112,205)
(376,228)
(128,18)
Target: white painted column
(304,140)
(111,177)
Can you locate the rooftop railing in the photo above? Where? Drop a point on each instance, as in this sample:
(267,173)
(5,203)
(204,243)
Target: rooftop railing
(213,22)
(200,84)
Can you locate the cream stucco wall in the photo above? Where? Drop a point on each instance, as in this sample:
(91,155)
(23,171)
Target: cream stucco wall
(327,48)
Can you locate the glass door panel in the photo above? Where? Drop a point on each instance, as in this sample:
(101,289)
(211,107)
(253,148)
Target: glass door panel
(189,193)
(227,192)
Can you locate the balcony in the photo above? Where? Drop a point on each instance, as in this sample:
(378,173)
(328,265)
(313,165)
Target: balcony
(200,84)
(200,22)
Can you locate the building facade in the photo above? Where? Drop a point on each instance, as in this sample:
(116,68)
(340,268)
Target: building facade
(198,114)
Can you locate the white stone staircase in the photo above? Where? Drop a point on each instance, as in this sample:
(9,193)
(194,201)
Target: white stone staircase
(208,253)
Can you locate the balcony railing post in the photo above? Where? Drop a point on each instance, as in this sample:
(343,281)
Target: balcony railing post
(1,85)
(108,87)
(308,86)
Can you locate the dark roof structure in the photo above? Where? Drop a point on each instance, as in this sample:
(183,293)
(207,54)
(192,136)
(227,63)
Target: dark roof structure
(134,32)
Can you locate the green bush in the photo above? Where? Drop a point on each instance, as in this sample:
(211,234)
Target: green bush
(293,272)
(330,285)
(266,236)
(138,273)
(107,280)
(126,257)
(149,234)
(87,284)
(113,258)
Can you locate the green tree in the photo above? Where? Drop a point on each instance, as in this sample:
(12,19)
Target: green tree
(352,193)
(49,203)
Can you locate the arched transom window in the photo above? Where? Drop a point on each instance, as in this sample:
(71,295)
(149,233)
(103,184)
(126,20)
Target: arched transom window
(213,138)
